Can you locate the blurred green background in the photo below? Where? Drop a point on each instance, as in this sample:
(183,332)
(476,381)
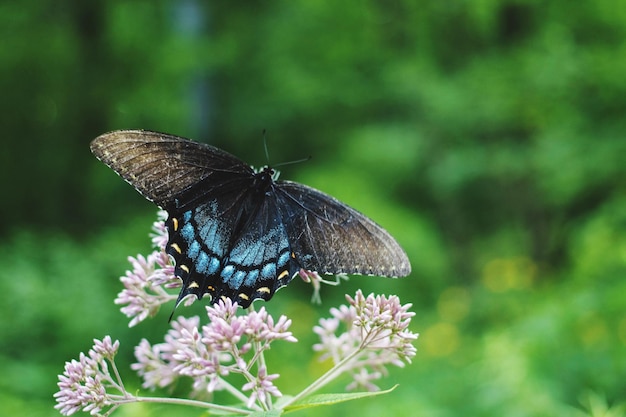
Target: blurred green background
(489,137)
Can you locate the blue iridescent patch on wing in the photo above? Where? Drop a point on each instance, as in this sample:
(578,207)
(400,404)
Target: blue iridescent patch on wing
(212,261)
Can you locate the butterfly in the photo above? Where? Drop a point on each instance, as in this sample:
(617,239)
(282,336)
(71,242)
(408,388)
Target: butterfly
(240,233)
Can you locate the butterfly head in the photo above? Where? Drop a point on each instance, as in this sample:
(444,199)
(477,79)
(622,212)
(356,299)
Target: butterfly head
(266,174)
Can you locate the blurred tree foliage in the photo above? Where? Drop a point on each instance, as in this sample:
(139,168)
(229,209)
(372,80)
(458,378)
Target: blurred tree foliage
(488,136)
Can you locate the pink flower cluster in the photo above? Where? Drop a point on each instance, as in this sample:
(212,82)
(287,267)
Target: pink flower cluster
(85,381)
(360,338)
(144,286)
(365,336)
(228,344)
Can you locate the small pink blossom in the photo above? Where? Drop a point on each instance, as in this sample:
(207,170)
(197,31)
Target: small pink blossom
(159,233)
(262,387)
(316,280)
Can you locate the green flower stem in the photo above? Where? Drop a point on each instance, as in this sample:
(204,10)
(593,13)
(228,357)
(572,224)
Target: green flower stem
(120,384)
(119,399)
(324,379)
(234,391)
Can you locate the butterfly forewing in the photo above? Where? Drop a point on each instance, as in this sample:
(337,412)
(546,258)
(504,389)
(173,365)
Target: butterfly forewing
(163,167)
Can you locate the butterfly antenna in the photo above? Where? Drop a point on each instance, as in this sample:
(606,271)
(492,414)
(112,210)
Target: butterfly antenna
(267,153)
(297,161)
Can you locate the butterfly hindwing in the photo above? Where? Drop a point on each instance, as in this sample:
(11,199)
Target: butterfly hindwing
(198,241)
(260,260)
(243,266)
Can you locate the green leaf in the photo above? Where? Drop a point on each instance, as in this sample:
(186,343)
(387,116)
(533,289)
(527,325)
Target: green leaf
(328,399)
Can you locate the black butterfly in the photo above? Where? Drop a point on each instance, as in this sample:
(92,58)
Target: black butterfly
(238,233)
